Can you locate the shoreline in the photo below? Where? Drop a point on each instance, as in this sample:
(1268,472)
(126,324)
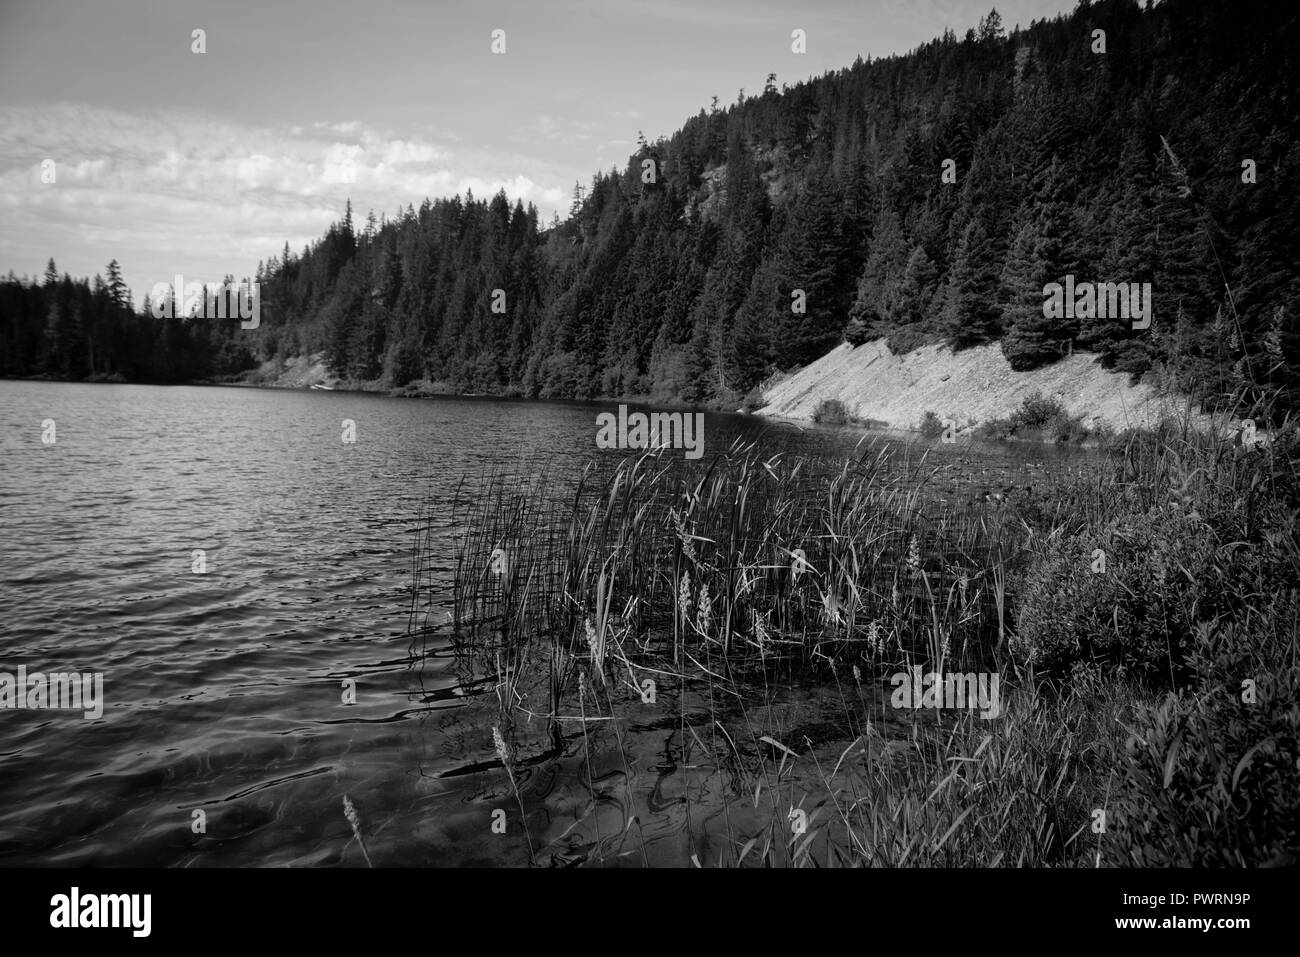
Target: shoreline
(911,394)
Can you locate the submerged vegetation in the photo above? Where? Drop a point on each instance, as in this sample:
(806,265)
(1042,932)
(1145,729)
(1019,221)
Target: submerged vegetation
(1142,614)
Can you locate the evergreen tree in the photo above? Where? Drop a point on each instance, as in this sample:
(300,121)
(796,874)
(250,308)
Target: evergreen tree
(1031,338)
(875,302)
(971,313)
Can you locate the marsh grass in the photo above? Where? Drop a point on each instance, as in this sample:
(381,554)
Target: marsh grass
(734,580)
(762,559)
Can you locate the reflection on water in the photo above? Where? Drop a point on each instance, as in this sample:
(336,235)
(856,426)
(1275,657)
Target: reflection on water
(225,691)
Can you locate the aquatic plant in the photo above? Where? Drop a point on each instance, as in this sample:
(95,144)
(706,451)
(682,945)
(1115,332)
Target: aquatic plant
(1124,735)
(354,819)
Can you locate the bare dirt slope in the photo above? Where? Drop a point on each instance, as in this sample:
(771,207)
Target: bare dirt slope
(969,387)
(298,372)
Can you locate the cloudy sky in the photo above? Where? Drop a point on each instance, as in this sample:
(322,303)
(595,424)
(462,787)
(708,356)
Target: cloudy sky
(172,161)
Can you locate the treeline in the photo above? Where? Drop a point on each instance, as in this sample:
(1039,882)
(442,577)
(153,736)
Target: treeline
(65,328)
(762,234)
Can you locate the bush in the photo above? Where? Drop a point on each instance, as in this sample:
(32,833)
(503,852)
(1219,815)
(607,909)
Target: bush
(994,429)
(931,425)
(1065,429)
(753,400)
(1038,419)
(857,332)
(1211,780)
(1036,412)
(1203,591)
(1139,614)
(833,412)
(905,339)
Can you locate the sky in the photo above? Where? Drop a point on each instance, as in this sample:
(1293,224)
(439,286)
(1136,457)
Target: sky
(202,164)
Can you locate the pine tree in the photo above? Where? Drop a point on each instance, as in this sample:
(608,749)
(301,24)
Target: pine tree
(877,291)
(912,321)
(1031,338)
(971,312)
(990,27)
(117,290)
(810,267)
(1129,256)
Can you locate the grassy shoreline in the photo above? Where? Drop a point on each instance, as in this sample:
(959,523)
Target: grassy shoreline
(1151,697)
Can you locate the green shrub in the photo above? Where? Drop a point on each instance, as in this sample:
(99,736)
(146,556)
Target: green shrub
(753,400)
(1202,587)
(1036,412)
(931,425)
(1212,780)
(994,429)
(833,412)
(1160,574)
(903,339)
(857,332)
(1038,419)
(1064,428)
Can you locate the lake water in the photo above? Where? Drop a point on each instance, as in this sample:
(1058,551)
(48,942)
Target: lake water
(224,689)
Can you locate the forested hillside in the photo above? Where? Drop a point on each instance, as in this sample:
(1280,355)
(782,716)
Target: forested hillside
(763,233)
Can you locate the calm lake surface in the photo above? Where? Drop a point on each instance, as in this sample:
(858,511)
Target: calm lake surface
(224,690)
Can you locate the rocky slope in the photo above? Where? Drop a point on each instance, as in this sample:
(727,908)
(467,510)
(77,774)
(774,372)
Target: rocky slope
(969,387)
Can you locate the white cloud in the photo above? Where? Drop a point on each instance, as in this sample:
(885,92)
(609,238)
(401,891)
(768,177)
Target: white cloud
(183,192)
